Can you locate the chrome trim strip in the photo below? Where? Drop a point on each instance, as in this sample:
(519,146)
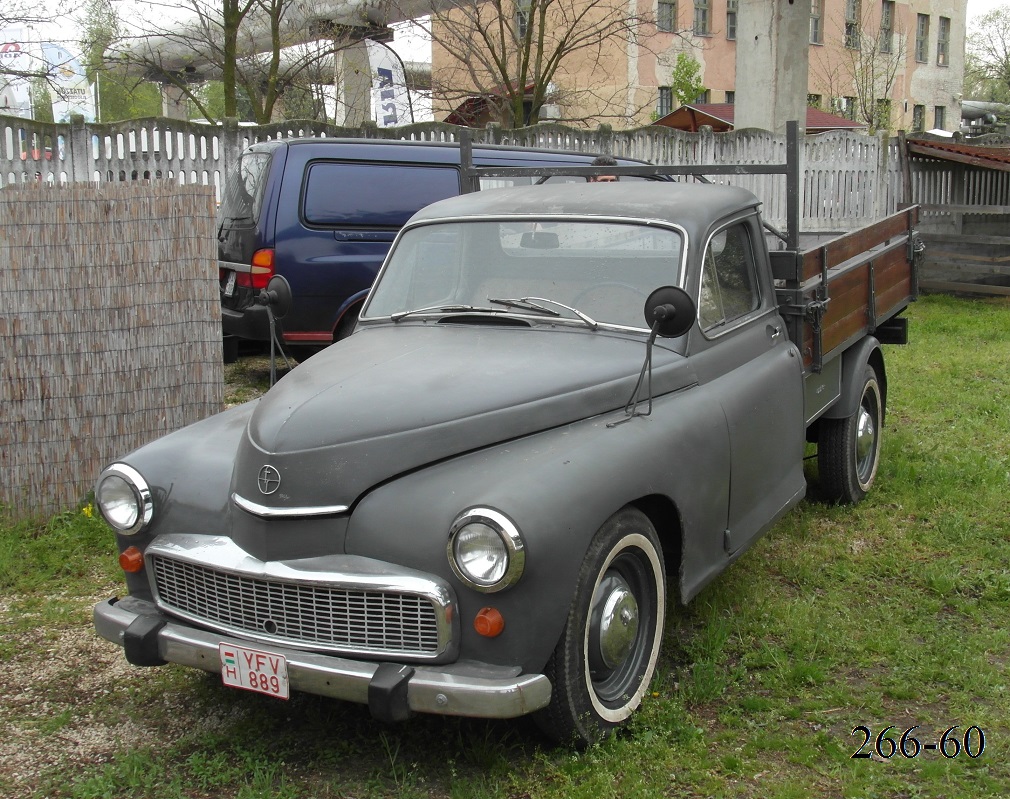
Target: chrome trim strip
(340,572)
(447,691)
(267,512)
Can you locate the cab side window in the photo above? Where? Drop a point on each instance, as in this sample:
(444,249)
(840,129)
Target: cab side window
(729,287)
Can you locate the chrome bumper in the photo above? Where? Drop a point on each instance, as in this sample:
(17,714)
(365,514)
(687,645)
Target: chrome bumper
(475,690)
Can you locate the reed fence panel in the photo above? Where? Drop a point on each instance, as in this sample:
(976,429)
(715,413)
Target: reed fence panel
(110,333)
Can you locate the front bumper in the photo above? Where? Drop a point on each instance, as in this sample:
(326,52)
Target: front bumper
(391,691)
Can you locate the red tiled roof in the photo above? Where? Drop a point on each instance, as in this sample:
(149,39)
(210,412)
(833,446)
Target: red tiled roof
(976,155)
(720,117)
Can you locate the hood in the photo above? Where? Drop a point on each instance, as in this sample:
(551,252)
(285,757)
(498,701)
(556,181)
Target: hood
(395,397)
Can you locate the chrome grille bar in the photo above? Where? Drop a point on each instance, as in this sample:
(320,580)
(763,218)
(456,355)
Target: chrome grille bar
(363,613)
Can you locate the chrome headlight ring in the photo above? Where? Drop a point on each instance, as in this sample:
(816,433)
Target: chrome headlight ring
(124,499)
(486,550)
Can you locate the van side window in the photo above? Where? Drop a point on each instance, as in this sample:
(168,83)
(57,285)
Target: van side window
(374,195)
(729,286)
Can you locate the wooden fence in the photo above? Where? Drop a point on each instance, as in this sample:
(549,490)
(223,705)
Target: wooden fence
(110,333)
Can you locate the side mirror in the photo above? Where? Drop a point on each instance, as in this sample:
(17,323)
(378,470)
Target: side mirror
(277,295)
(539,240)
(671,310)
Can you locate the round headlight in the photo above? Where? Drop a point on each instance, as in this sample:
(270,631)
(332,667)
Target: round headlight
(485,550)
(124,498)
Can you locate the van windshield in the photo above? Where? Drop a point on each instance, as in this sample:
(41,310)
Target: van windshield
(243,194)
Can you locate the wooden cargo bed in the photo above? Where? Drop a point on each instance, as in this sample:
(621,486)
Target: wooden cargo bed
(834,291)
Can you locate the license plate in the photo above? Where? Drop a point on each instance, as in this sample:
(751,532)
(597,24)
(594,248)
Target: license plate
(263,672)
(229,285)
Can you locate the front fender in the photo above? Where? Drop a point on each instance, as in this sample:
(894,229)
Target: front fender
(189,472)
(559,486)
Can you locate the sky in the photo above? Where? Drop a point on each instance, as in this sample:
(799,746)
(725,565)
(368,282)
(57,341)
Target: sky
(976,8)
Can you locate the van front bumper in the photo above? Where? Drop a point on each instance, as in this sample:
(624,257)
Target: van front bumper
(392,691)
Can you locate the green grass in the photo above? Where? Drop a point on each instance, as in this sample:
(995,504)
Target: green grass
(890,613)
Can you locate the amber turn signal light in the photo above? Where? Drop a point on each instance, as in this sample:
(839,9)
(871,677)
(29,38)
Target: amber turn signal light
(131,560)
(489,622)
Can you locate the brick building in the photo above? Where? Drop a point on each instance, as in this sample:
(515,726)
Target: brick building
(890,64)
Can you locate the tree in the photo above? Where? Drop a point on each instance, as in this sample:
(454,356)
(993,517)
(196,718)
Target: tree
(250,46)
(988,51)
(517,56)
(685,83)
(118,96)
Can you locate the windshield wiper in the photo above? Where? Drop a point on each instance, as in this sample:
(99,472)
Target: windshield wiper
(396,317)
(532,304)
(525,304)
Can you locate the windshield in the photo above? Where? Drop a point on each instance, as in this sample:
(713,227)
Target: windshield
(603,270)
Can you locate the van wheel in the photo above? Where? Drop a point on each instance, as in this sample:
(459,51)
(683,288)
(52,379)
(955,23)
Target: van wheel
(848,450)
(605,659)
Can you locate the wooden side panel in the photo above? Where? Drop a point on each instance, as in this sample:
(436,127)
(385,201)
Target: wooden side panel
(838,251)
(888,277)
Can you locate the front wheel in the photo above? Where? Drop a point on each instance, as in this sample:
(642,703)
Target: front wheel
(848,450)
(607,653)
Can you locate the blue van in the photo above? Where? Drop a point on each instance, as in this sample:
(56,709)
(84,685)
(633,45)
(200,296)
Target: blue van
(323,213)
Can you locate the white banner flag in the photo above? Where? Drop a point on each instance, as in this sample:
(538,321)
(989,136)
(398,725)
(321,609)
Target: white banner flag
(390,97)
(17,62)
(68,84)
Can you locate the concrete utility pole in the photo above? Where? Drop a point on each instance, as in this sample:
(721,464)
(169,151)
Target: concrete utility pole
(772,55)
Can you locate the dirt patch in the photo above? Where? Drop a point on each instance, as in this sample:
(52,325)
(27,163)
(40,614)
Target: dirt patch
(64,694)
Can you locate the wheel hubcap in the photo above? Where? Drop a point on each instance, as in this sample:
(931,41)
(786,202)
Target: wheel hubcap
(866,434)
(866,439)
(614,625)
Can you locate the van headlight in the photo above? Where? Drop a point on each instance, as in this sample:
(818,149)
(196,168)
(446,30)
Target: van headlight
(124,498)
(486,550)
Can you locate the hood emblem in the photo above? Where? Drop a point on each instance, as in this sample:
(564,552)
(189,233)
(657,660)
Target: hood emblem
(268,480)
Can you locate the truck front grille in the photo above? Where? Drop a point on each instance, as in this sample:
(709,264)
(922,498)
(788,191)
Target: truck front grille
(331,618)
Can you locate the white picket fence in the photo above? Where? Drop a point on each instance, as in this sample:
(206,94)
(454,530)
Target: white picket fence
(847,179)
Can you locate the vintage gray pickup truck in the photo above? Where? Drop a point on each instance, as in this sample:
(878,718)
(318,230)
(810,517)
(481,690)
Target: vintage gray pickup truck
(563,405)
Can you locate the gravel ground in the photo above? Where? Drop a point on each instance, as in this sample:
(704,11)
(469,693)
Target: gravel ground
(65,693)
(56,713)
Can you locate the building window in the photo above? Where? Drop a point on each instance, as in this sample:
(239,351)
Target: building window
(666,16)
(731,97)
(814,101)
(731,6)
(665,101)
(922,38)
(852,24)
(940,117)
(816,32)
(522,18)
(918,118)
(943,42)
(844,107)
(887,26)
(703,98)
(701,19)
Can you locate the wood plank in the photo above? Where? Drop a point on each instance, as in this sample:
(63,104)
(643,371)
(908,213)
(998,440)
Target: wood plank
(964,288)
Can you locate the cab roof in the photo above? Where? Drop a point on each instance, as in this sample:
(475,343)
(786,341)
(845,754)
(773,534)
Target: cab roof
(695,206)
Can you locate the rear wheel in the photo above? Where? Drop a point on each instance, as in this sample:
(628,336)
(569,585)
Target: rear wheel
(848,450)
(605,659)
